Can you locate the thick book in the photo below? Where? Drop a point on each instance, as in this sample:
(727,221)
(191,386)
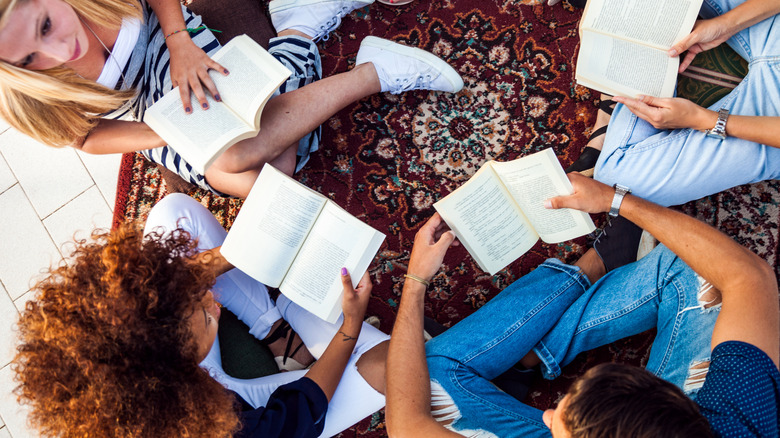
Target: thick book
(202,136)
(624,44)
(499,213)
(291,237)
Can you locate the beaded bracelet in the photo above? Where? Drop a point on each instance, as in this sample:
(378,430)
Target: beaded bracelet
(418,279)
(191,30)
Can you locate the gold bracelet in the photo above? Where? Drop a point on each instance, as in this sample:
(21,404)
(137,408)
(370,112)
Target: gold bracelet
(418,279)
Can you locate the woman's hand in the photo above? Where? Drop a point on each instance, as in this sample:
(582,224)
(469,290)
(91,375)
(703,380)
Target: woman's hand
(430,245)
(670,113)
(189,70)
(706,35)
(355,300)
(589,195)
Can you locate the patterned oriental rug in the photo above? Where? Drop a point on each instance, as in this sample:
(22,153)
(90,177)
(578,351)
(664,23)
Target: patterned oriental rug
(387,159)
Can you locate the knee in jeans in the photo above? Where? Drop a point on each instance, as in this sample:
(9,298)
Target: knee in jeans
(708,296)
(697,372)
(446,412)
(443,408)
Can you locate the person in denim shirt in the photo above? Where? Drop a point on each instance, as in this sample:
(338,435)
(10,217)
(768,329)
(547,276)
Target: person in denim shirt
(713,302)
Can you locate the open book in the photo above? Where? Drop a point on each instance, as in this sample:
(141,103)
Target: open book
(291,237)
(499,214)
(624,44)
(202,136)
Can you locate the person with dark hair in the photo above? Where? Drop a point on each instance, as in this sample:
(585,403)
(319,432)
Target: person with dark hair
(122,341)
(713,302)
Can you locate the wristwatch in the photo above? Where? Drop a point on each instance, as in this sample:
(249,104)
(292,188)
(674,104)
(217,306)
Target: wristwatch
(719,131)
(620,193)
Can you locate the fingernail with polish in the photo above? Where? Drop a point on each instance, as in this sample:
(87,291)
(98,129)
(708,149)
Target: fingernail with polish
(205,106)
(226,71)
(217,98)
(343,271)
(188,110)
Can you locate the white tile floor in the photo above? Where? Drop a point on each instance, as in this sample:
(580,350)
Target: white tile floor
(47,196)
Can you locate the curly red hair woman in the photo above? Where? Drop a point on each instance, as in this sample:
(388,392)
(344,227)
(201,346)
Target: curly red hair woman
(105,344)
(122,341)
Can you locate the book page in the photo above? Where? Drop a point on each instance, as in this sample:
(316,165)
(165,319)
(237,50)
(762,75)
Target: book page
(487,221)
(200,136)
(533,179)
(658,23)
(336,240)
(271,226)
(254,76)
(621,68)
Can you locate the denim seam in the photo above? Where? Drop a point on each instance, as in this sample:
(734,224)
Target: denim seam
(574,277)
(674,282)
(484,401)
(621,313)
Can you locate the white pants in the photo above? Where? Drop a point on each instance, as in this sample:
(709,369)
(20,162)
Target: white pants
(248,299)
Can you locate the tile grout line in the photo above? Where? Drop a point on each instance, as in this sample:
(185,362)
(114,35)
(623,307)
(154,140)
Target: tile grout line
(94,182)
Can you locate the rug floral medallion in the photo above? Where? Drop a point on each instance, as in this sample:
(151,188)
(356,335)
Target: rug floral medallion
(388,158)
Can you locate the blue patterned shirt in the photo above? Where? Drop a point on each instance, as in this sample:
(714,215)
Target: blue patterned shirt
(741,393)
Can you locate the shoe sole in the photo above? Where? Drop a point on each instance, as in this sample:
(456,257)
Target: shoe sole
(444,69)
(283,5)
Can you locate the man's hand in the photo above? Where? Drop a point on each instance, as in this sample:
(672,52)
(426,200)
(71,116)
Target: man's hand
(189,70)
(589,196)
(355,300)
(670,113)
(430,245)
(706,35)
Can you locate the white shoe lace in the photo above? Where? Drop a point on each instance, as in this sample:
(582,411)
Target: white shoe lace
(421,82)
(332,24)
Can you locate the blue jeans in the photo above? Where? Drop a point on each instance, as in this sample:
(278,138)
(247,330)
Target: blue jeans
(671,167)
(555,312)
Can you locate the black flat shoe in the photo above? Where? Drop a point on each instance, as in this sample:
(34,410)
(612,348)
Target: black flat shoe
(587,159)
(618,243)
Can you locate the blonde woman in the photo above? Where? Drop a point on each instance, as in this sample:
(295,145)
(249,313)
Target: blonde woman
(71,69)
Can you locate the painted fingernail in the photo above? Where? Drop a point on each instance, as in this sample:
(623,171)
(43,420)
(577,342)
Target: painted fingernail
(343,271)
(217,98)
(187,110)
(205,106)
(226,71)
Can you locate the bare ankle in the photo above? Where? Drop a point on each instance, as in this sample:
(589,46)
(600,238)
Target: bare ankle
(591,265)
(293,32)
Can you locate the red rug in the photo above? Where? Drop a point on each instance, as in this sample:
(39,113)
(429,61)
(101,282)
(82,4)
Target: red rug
(387,159)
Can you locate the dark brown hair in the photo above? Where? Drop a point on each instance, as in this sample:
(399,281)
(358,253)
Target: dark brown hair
(621,401)
(106,348)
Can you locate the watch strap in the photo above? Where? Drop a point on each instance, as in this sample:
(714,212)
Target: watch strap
(617,200)
(719,130)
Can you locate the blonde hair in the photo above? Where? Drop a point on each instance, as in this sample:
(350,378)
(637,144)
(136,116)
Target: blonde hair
(57,107)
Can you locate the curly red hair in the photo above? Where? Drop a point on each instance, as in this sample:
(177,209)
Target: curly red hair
(106,348)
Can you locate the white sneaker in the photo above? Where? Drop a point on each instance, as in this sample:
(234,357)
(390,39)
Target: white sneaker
(316,18)
(401,68)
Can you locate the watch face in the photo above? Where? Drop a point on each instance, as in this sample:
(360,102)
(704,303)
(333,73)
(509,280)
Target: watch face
(714,134)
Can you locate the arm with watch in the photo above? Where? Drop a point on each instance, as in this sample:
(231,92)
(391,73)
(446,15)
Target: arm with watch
(676,112)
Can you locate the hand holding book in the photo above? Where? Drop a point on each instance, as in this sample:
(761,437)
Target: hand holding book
(499,213)
(706,35)
(670,113)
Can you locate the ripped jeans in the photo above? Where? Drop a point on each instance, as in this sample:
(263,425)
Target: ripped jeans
(555,312)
